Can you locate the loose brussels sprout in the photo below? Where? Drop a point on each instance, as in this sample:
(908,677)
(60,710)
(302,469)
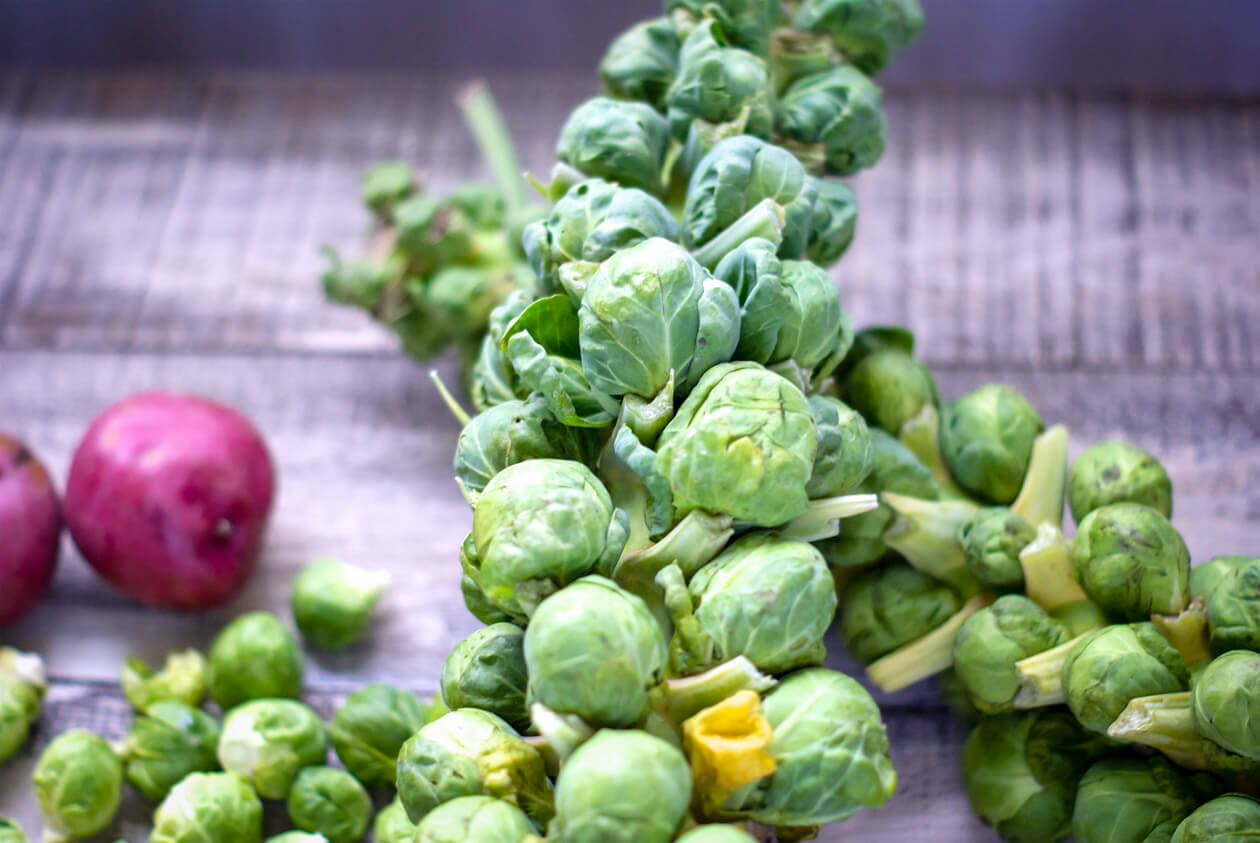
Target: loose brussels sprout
(890,606)
(1110,666)
(641,62)
(78,784)
(209,808)
(393,825)
(845,454)
(1021,773)
(744,23)
(1117,472)
(833,223)
(1233,609)
(167,743)
(830,751)
(1226,703)
(331,803)
(254,657)
(268,742)
(987,439)
(889,387)
(369,729)
(594,650)
(11,832)
(1206,577)
(1129,798)
(470,752)
(617,140)
(1131,561)
(992,542)
(992,640)
(869,32)
(719,84)
(487,671)
(333,601)
(22,685)
(717,834)
(563,526)
(621,787)
(1226,819)
(474,819)
(183,679)
(835,118)
(651,313)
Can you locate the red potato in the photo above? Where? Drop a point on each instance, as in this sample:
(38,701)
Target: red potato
(30,530)
(168,499)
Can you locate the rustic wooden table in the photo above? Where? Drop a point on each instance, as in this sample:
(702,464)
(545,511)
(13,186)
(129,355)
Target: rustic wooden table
(1100,253)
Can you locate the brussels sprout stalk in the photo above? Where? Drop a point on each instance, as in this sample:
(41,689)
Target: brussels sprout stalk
(1187,631)
(926,534)
(1165,722)
(484,121)
(461,415)
(1050,580)
(765,220)
(925,657)
(821,520)
(1041,676)
(559,734)
(1040,499)
(678,699)
(921,433)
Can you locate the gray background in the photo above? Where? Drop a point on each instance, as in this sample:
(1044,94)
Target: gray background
(1177,46)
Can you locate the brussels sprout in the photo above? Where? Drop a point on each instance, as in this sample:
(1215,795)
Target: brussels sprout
(1117,472)
(1131,561)
(833,222)
(78,784)
(11,832)
(20,704)
(386,184)
(830,751)
(1226,819)
(889,387)
(209,808)
(719,84)
(717,834)
(487,671)
(1233,609)
(1226,703)
(753,269)
(333,601)
(167,743)
(594,650)
(475,599)
(474,819)
(869,32)
(641,62)
(1110,666)
(254,657)
(393,825)
(463,297)
(492,380)
(1021,773)
(470,752)
(331,803)
(987,440)
(1129,798)
(617,140)
(835,118)
(563,526)
(814,322)
(183,679)
(432,232)
(991,641)
(925,533)
(744,23)
(482,203)
(621,787)
(650,313)
(992,542)
(1206,577)
(890,606)
(296,837)
(845,453)
(369,729)
(268,742)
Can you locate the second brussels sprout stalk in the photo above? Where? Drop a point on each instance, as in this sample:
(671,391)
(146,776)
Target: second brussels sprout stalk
(925,657)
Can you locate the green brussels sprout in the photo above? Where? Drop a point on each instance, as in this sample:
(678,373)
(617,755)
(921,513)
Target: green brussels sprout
(719,84)
(753,269)
(78,784)
(254,657)
(209,808)
(621,787)
(563,526)
(487,671)
(833,222)
(845,452)
(492,380)
(476,601)
(296,837)
(830,752)
(1131,561)
(1226,819)
(651,313)
(1226,703)
(331,803)
(641,62)
(594,650)
(464,296)
(474,819)
(1021,773)
(183,679)
(1110,666)
(987,439)
(20,705)
(813,321)
(268,742)
(889,387)
(1130,798)
(482,203)
(890,606)
(617,140)
(432,232)
(369,729)
(393,825)
(386,184)
(470,752)
(717,834)
(1233,609)
(1206,577)
(869,32)
(992,640)
(11,832)
(167,743)
(992,542)
(362,283)
(744,23)
(834,117)
(1117,472)
(333,601)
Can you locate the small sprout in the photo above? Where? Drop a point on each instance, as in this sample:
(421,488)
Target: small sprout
(268,742)
(333,601)
(891,606)
(1233,609)
(1117,472)
(1226,703)
(487,671)
(254,657)
(78,784)
(744,23)
(393,825)
(834,222)
(1226,819)
(889,387)
(1206,577)
(1132,562)
(987,440)
(475,819)
(641,62)
(369,729)
(167,743)
(834,117)
(386,184)
(182,679)
(209,808)
(1128,797)
(617,140)
(719,84)
(991,641)
(845,453)
(22,686)
(992,542)
(1115,664)
(870,33)
(331,803)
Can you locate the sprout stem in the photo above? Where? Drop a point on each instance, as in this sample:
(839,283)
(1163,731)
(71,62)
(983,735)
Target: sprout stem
(486,124)
(766,219)
(679,699)
(1188,633)
(1040,499)
(921,433)
(926,534)
(460,414)
(1041,676)
(926,656)
(563,733)
(1049,574)
(821,520)
(1165,722)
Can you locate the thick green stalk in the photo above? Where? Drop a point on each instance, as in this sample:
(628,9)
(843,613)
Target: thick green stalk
(486,124)
(765,220)
(926,656)
(1049,573)
(1040,499)
(1187,632)
(1041,676)
(678,699)
(921,433)
(563,733)
(821,519)
(1165,722)
(926,534)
